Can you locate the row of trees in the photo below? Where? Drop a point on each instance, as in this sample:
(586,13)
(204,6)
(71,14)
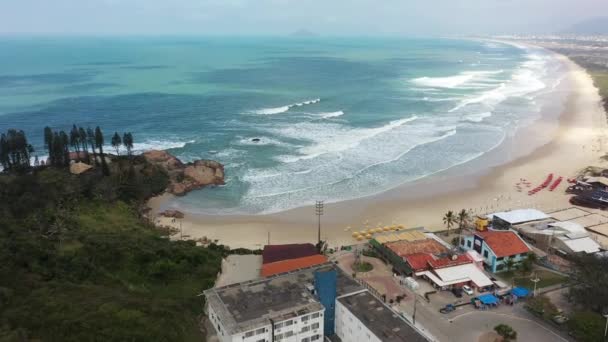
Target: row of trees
(127,141)
(15,151)
(462,219)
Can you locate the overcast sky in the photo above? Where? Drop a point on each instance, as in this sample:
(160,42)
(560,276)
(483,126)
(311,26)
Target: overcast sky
(329,17)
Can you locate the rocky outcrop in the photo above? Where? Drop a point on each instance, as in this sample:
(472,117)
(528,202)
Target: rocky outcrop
(172,213)
(186,177)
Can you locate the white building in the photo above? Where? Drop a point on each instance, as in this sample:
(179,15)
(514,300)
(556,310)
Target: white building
(285,308)
(361,317)
(566,237)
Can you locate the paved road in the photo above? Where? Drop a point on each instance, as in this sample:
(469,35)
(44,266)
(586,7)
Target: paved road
(467,325)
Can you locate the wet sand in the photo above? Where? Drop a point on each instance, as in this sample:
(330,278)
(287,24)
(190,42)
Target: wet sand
(487,184)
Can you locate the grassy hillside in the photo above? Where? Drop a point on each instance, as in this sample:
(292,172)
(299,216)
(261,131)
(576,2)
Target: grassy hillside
(78,264)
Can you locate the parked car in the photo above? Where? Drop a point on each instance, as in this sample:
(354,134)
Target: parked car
(447,309)
(468,290)
(457,292)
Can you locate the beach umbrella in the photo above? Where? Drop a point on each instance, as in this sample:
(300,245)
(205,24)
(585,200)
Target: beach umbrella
(378,230)
(355,234)
(386,228)
(359,238)
(368,236)
(400,226)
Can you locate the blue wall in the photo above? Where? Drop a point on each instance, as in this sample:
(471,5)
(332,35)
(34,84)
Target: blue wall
(325,287)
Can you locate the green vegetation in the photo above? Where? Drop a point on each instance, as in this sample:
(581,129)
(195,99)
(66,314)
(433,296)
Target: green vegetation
(587,326)
(547,278)
(449,220)
(506,332)
(78,263)
(542,306)
(362,266)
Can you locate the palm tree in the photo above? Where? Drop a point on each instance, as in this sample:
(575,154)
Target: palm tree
(116,142)
(463,219)
(449,219)
(48,142)
(82,135)
(75,140)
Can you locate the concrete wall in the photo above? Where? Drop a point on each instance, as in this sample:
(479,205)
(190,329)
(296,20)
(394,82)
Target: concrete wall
(350,328)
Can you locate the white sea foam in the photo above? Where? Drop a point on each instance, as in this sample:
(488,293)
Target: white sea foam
(283,109)
(330,138)
(477,117)
(456,81)
(263,141)
(153,144)
(331,114)
(526,80)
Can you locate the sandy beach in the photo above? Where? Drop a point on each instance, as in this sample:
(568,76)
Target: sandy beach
(487,184)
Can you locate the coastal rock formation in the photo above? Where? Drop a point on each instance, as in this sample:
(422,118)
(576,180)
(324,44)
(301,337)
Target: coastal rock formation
(187,177)
(172,213)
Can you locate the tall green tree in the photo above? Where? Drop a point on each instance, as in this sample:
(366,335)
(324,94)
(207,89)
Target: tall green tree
(449,219)
(82,136)
(463,219)
(15,151)
(48,143)
(116,142)
(127,140)
(91,142)
(99,141)
(5,160)
(75,140)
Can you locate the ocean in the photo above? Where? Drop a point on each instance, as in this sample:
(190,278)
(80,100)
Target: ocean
(293,120)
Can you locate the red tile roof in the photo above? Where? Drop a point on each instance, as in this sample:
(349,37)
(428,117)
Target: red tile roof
(427,246)
(292,264)
(274,253)
(447,262)
(503,243)
(419,261)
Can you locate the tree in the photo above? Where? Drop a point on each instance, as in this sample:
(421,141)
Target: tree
(82,135)
(127,140)
(463,219)
(587,273)
(48,142)
(506,332)
(75,140)
(449,219)
(116,142)
(91,141)
(99,143)
(587,326)
(509,264)
(15,151)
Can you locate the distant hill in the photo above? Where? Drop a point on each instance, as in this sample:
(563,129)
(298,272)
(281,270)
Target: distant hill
(303,34)
(598,25)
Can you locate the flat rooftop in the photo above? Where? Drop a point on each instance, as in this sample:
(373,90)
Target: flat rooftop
(379,319)
(247,305)
(428,246)
(520,215)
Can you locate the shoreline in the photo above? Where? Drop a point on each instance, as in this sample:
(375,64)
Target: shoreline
(485,184)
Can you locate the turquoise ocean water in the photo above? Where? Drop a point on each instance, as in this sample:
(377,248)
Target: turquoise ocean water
(337,118)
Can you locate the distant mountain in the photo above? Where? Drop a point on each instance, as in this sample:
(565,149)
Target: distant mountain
(303,34)
(598,25)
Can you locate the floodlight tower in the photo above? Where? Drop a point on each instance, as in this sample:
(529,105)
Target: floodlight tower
(319,213)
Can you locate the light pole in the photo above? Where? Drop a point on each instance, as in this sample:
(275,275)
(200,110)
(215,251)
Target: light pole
(414,314)
(535,280)
(319,212)
(606,328)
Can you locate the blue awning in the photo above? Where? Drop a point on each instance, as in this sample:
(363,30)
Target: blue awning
(488,299)
(520,291)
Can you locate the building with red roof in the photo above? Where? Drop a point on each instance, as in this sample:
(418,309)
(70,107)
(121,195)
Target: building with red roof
(292,264)
(496,247)
(274,253)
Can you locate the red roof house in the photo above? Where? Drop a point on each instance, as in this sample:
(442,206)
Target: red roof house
(504,243)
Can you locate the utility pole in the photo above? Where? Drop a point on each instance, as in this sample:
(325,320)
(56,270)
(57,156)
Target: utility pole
(319,212)
(414,315)
(535,280)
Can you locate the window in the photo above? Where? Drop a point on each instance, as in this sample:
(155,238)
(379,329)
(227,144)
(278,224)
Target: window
(306,339)
(485,254)
(260,331)
(316,314)
(500,259)
(315,337)
(469,243)
(462,242)
(278,325)
(305,329)
(305,318)
(288,323)
(315,326)
(249,333)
